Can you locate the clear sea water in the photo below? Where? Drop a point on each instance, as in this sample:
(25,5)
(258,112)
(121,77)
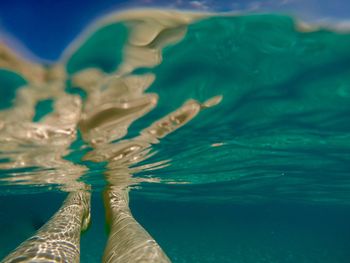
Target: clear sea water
(261,177)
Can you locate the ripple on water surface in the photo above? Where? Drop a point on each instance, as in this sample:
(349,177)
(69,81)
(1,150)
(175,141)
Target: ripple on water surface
(260,105)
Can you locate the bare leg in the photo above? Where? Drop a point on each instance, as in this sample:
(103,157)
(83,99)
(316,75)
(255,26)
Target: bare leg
(59,239)
(128,240)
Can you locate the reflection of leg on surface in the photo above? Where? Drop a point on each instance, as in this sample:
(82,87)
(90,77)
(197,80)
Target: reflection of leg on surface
(59,239)
(128,241)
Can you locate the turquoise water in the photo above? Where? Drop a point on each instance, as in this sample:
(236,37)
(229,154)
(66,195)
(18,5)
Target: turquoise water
(202,232)
(263,176)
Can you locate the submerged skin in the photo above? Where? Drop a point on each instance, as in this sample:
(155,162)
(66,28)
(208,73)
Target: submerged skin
(59,239)
(128,241)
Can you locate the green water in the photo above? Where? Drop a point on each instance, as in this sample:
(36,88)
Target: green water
(284,118)
(264,176)
(202,232)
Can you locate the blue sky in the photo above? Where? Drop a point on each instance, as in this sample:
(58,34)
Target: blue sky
(46,27)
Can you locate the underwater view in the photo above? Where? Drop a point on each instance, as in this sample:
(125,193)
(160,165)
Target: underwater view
(181,133)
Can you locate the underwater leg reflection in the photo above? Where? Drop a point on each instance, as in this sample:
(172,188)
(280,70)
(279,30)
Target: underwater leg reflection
(128,241)
(59,239)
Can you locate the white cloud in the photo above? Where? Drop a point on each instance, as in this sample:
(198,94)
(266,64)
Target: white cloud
(199,5)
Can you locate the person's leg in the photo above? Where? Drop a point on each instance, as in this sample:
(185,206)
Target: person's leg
(59,239)
(128,241)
